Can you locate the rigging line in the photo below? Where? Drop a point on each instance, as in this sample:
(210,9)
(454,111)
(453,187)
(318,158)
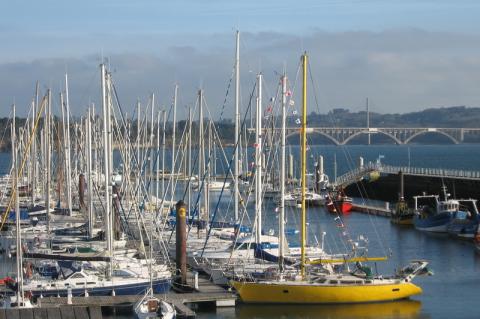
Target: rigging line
(350,166)
(226,95)
(226,175)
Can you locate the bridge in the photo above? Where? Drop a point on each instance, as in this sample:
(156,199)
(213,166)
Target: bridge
(361,172)
(343,135)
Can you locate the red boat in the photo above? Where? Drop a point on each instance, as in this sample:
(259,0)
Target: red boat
(341,204)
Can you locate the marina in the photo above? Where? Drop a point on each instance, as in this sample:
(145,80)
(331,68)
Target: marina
(232,198)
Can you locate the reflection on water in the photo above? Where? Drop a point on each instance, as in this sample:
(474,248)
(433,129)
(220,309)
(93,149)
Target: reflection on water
(399,309)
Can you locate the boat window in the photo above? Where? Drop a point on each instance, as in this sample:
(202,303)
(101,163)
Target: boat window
(333,281)
(461,215)
(80,283)
(77,276)
(122,273)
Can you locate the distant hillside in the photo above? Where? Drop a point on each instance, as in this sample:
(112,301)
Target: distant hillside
(457,116)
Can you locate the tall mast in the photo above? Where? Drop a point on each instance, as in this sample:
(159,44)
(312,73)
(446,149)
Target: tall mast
(237,126)
(281,221)
(163,154)
(67,149)
(157,161)
(172,171)
(34,146)
(201,150)
(258,160)
(189,158)
(150,146)
(106,167)
(108,79)
(48,159)
(139,162)
(89,174)
(304,161)
(17,213)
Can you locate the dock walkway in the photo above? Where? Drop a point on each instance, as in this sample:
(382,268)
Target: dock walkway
(207,292)
(358,173)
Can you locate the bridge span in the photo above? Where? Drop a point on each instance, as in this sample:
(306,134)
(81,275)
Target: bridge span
(342,135)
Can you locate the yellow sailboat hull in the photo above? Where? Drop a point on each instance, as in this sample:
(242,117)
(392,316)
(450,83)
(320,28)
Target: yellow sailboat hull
(298,293)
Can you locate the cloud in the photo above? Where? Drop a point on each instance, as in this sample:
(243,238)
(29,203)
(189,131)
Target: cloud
(399,70)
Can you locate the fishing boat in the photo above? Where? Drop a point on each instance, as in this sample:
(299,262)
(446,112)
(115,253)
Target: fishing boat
(313,283)
(433,214)
(339,203)
(465,223)
(402,215)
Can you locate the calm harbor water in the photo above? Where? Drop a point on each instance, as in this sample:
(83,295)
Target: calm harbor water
(453,290)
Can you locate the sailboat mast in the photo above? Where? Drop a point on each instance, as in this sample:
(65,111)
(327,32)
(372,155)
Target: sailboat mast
(150,144)
(17,213)
(106,168)
(258,160)
(89,174)
(34,146)
(172,171)
(281,221)
(237,127)
(47,159)
(189,158)
(164,116)
(201,152)
(304,161)
(67,149)
(157,161)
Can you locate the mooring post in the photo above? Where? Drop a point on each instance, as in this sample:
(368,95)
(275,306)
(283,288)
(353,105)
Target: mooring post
(181,241)
(81,191)
(195,284)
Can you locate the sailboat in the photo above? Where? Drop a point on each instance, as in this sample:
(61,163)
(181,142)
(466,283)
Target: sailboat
(313,284)
(150,306)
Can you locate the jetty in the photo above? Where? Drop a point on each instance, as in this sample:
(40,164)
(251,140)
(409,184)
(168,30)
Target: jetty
(204,292)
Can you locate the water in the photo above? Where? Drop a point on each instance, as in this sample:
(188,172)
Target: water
(451,293)
(453,290)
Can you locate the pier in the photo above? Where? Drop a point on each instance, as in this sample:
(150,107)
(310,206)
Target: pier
(205,292)
(361,172)
(372,209)
(381,182)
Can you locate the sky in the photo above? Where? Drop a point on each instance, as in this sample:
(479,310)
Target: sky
(404,55)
